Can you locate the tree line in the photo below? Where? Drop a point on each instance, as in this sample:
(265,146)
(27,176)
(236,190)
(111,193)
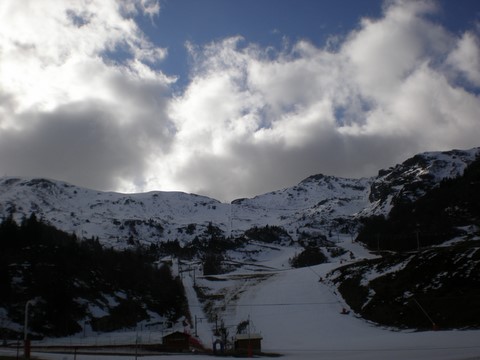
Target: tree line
(434,218)
(67,278)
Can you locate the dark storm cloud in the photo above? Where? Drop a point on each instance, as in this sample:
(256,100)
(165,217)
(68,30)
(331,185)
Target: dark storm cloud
(82,143)
(256,169)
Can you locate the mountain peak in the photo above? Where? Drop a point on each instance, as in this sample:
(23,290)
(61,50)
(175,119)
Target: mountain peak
(411,179)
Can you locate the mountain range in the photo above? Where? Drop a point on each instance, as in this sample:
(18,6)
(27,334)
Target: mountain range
(320,204)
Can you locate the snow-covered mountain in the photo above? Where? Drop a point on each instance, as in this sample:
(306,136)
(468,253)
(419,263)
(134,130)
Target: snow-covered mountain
(410,180)
(319,204)
(257,281)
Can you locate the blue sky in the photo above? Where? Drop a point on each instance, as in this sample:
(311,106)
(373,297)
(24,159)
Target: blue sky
(267,22)
(232,98)
(272,22)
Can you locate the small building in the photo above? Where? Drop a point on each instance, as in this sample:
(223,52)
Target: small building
(177,342)
(181,342)
(248,343)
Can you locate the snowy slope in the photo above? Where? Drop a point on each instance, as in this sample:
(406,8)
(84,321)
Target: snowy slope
(300,317)
(113,217)
(312,205)
(297,316)
(410,180)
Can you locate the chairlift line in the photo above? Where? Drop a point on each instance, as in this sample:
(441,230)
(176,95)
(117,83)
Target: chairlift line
(288,304)
(278,304)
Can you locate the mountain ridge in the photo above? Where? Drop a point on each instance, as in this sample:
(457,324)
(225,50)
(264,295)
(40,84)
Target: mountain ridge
(318,204)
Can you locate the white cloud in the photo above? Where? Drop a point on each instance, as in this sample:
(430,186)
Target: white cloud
(84,103)
(466,57)
(382,53)
(81,100)
(64,44)
(252,121)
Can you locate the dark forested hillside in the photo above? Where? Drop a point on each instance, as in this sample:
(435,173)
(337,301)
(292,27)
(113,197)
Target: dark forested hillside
(73,283)
(431,286)
(439,215)
(437,287)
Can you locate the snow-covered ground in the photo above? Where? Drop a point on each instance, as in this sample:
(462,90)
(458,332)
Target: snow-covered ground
(299,317)
(437,353)
(317,205)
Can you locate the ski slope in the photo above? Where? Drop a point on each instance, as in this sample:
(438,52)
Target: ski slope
(300,317)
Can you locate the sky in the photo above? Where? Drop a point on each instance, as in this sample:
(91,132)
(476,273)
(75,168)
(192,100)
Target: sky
(232,98)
